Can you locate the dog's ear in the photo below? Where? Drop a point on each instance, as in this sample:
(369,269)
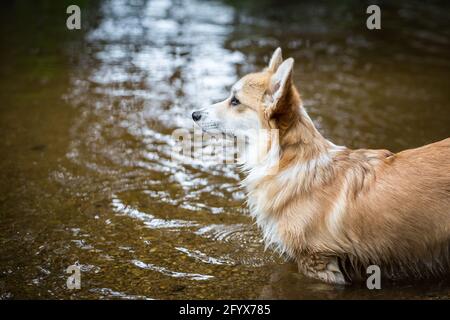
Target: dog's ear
(275,61)
(280,84)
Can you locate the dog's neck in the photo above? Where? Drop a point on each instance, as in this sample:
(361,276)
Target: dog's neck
(294,141)
(299,140)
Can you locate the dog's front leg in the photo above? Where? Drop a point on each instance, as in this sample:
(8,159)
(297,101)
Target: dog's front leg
(321,267)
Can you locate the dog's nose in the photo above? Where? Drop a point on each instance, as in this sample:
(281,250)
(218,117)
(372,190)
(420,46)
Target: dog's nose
(196,115)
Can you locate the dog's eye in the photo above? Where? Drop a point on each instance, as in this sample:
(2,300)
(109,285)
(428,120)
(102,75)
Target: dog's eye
(234,101)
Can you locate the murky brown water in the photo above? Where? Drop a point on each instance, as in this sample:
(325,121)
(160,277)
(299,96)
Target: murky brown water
(86,174)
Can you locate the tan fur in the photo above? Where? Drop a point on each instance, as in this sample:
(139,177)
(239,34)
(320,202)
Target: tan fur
(336,210)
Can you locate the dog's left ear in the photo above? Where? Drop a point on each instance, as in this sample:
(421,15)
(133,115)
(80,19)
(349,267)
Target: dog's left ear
(280,84)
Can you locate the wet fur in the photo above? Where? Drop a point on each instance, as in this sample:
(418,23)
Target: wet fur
(336,210)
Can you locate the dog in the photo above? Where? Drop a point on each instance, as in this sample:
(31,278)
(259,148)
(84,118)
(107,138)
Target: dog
(334,210)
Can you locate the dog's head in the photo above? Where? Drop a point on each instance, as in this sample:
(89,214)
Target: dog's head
(254,103)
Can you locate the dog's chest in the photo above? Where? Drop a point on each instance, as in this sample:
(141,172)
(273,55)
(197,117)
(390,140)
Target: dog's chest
(281,230)
(285,218)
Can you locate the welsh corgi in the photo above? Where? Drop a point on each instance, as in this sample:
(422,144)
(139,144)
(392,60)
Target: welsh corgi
(335,210)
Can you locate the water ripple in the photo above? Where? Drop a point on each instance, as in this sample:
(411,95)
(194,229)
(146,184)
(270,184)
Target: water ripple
(170,273)
(200,256)
(149,220)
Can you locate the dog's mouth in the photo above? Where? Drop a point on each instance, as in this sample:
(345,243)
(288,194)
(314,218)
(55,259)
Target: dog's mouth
(209,126)
(216,128)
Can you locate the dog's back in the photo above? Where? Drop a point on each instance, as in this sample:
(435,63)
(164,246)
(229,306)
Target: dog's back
(401,219)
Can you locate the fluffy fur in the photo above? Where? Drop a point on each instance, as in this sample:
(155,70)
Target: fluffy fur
(332,209)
